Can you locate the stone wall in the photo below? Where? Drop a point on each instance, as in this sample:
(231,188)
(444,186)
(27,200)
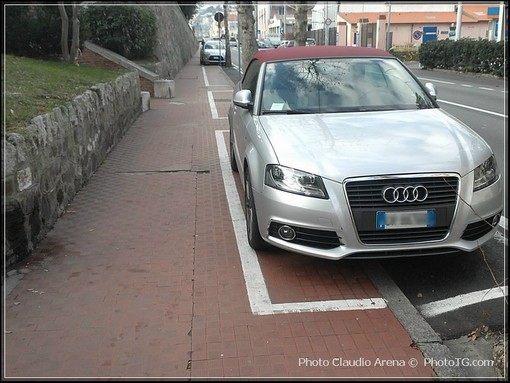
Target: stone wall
(176,43)
(56,156)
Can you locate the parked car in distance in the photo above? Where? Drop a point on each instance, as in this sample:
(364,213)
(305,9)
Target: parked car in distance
(343,152)
(232,42)
(286,44)
(310,41)
(263,44)
(212,52)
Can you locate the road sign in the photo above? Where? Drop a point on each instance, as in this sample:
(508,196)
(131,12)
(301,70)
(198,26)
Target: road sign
(417,35)
(218,16)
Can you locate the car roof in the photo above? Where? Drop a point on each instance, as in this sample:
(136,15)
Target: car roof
(319,51)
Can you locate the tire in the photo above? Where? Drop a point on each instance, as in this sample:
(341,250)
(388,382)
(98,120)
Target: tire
(233,162)
(252,225)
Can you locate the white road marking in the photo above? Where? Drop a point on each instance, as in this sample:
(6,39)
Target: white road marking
(206,80)
(434,80)
(454,83)
(258,295)
(433,309)
(473,108)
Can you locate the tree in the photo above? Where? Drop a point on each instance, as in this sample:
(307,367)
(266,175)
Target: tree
(248,40)
(129,30)
(301,25)
(72,56)
(33,30)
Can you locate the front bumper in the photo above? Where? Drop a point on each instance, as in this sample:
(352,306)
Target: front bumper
(214,59)
(339,227)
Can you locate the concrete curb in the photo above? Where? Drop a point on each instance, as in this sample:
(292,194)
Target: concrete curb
(422,334)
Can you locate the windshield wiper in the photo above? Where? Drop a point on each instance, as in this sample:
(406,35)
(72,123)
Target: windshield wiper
(376,108)
(289,111)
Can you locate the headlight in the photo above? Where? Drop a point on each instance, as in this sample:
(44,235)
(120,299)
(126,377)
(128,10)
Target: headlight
(486,174)
(295,181)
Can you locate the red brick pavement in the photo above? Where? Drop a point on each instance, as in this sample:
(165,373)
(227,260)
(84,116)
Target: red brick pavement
(142,277)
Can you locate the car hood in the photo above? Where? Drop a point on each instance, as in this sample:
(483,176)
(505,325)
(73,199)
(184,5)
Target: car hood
(337,146)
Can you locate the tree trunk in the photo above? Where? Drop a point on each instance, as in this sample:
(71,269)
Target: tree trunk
(65,31)
(247,31)
(301,26)
(228,56)
(75,45)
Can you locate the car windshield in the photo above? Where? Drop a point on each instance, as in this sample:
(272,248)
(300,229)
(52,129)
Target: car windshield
(214,45)
(340,85)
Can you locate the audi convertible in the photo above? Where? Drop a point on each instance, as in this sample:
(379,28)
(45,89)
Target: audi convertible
(343,152)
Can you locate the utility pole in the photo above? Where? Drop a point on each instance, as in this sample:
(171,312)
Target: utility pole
(459,21)
(388,28)
(501,21)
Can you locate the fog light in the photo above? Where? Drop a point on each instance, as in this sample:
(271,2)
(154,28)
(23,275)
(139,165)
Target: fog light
(286,233)
(495,220)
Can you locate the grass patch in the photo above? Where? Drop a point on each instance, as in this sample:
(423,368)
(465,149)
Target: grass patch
(32,87)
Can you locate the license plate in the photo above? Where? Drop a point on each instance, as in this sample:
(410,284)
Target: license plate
(386,220)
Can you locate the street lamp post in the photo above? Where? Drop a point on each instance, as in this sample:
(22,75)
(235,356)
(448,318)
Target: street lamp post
(284,20)
(326,24)
(388,27)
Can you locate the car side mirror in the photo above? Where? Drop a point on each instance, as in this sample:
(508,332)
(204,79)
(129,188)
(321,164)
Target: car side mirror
(432,90)
(243,99)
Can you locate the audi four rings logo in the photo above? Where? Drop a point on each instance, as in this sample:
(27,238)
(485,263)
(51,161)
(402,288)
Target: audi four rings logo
(403,194)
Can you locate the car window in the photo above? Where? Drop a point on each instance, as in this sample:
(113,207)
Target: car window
(336,85)
(250,78)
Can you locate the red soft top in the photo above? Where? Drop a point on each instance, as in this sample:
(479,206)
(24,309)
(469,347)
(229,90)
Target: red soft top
(318,51)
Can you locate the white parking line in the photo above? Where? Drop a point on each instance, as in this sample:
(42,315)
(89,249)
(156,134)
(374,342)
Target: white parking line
(206,80)
(433,309)
(258,295)
(212,105)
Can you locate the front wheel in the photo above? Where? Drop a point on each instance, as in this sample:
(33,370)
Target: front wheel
(252,225)
(233,163)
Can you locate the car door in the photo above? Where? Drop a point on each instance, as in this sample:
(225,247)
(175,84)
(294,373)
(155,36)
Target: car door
(242,119)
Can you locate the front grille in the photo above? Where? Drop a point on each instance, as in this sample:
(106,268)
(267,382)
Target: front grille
(321,239)
(364,194)
(366,199)
(478,229)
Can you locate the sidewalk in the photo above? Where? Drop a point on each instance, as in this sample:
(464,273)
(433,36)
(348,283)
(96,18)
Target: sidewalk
(145,277)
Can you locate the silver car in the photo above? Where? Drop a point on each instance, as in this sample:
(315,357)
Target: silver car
(342,152)
(212,52)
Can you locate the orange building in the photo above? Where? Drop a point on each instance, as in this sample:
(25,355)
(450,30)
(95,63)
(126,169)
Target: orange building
(413,28)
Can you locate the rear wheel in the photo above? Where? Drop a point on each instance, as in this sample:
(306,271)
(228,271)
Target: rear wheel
(252,225)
